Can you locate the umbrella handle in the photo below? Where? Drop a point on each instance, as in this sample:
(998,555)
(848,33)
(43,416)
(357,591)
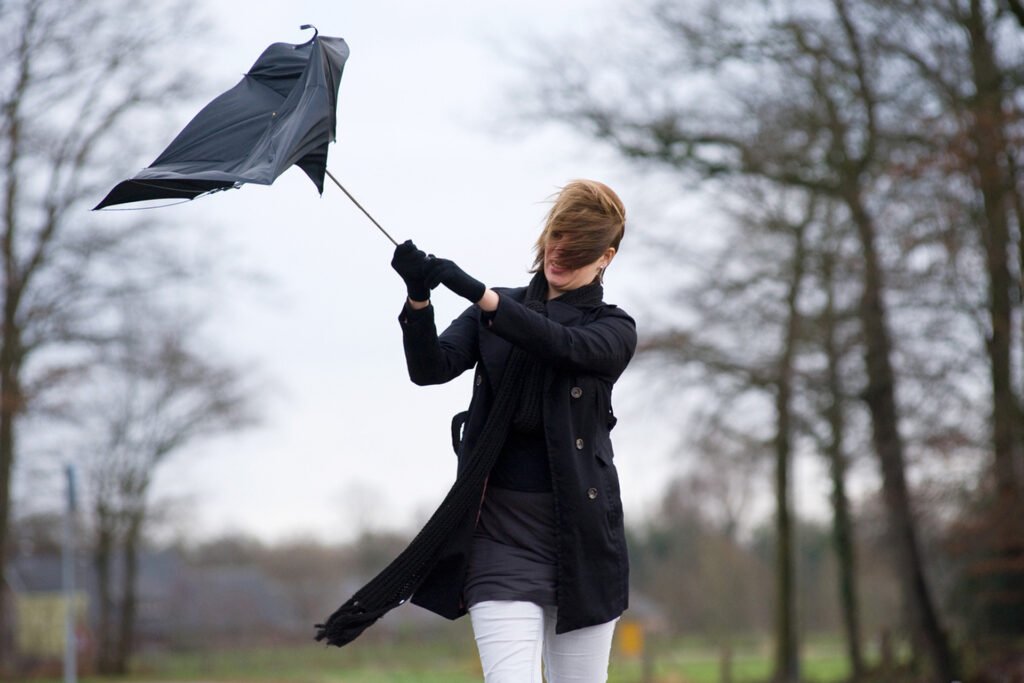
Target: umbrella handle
(349,195)
(316,32)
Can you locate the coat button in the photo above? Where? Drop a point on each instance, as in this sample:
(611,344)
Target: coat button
(591,493)
(575,392)
(479,380)
(579,444)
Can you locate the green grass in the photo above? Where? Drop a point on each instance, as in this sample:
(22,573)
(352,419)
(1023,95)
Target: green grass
(404,660)
(451,660)
(694,661)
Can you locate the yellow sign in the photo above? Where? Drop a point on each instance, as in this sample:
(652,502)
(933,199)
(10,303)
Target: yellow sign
(630,636)
(40,622)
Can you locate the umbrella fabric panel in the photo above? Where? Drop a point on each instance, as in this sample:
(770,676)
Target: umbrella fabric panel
(141,190)
(221,136)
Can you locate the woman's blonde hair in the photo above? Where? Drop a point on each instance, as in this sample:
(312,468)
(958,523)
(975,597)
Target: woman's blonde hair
(589,216)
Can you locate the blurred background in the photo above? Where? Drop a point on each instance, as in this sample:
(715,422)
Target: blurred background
(205,417)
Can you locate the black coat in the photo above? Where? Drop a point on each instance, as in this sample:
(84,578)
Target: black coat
(588,351)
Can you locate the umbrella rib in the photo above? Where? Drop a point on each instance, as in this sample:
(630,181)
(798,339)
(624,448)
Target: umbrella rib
(349,195)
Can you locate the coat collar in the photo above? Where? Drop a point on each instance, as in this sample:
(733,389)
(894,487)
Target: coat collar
(566,314)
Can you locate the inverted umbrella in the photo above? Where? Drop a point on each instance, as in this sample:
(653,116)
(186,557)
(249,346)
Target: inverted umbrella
(282,112)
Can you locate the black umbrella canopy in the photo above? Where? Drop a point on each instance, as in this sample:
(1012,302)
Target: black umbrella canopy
(282,112)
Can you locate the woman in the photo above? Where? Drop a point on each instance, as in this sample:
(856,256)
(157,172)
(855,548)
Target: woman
(541,566)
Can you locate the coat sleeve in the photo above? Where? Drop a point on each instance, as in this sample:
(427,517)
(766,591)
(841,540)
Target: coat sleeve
(433,359)
(601,347)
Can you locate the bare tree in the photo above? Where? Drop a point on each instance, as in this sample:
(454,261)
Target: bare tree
(834,446)
(735,305)
(806,108)
(152,396)
(966,57)
(65,103)
(788,655)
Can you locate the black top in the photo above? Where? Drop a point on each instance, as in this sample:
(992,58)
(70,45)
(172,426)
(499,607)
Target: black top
(523,464)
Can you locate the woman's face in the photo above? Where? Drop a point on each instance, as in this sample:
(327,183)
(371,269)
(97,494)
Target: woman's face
(562,279)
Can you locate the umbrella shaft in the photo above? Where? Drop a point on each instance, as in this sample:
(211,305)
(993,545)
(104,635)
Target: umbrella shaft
(349,195)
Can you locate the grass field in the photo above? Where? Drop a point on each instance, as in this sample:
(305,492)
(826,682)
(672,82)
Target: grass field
(409,660)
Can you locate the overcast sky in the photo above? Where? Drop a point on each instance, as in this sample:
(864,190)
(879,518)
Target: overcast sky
(347,441)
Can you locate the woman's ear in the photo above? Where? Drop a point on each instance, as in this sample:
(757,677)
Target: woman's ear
(609,254)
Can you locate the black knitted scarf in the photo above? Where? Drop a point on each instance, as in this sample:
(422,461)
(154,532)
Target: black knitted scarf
(518,399)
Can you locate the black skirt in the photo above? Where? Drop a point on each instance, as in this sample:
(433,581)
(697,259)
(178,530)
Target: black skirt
(515,549)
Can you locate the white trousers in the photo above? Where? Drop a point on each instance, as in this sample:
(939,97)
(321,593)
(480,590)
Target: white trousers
(512,638)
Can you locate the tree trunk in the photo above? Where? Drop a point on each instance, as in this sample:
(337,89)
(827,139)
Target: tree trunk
(1018,203)
(8,402)
(11,399)
(787,664)
(787,655)
(880,396)
(987,131)
(11,403)
(842,526)
(1020,298)
(103,561)
(1017,194)
(129,592)
(1004,523)
(8,399)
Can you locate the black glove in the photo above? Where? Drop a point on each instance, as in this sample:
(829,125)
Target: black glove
(408,262)
(440,270)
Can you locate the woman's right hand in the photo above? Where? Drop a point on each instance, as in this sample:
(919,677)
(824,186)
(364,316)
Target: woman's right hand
(408,261)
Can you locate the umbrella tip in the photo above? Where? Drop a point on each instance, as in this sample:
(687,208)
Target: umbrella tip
(316,31)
